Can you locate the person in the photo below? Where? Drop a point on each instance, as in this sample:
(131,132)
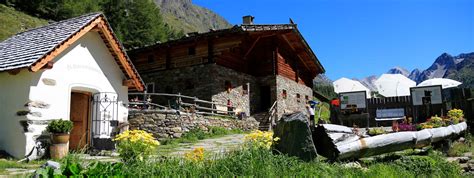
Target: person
(334,107)
(230,109)
(310,108)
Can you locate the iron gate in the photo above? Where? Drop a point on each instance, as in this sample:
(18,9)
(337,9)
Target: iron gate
(104,120)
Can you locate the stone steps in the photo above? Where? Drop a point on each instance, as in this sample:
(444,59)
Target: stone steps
(264,123)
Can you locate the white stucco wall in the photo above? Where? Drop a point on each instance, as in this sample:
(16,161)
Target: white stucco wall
(87,65)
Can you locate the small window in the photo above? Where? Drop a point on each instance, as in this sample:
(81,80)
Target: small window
(151,58)
(228,86)
(245,88)
(306,97)
(192,50)
(150,87)
(189,85)
(283,94)
(298,96)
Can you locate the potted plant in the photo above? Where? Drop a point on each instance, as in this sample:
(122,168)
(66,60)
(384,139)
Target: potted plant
(59,130)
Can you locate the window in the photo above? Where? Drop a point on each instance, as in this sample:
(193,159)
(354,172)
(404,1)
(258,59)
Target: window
(228,86)
(192,50)
(150,87)
(151,58)
(188,84)
(298,96)
(283,94)
(245,88)
(306,97)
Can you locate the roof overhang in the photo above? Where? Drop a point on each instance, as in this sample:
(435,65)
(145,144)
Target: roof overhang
(100,25)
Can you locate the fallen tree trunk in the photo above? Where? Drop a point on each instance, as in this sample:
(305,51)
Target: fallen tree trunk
(335,142)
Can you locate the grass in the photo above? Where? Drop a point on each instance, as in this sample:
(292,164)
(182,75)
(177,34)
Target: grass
(264,163)
(459,148)
(7,163)
(12,22)
(197,134)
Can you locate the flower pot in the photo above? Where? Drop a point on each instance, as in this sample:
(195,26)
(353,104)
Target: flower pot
(60,138)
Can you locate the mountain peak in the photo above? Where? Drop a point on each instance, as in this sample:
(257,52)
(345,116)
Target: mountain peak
(398,70)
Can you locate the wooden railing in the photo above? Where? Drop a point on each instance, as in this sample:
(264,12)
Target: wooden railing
(271,115)
(190,104)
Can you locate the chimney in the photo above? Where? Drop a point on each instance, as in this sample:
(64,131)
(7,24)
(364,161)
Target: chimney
(248,20)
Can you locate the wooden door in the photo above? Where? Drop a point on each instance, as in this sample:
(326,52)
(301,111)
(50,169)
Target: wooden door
(79,114)
(265,98)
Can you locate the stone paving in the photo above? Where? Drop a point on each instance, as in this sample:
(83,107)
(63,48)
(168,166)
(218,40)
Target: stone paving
(213,145)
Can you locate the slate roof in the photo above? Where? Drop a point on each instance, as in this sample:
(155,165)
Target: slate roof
(25,48)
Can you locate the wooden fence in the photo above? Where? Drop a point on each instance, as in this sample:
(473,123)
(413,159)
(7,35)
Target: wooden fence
(190,104)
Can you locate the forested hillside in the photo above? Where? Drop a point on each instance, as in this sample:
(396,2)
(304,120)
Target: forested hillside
(136,22)
(12,22)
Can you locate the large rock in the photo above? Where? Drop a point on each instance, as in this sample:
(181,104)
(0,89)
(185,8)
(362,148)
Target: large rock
(295,136)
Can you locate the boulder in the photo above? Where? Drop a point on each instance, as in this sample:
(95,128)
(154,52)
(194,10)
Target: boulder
(295,136)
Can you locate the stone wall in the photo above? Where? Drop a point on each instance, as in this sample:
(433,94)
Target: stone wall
(192,81)
(207,82)
(165,124)
(291,103)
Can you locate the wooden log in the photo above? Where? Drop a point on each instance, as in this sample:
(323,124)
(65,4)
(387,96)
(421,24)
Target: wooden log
(336,143)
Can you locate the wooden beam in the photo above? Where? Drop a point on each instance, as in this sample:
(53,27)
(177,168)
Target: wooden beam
(14,71)
(48,65)
(108,35)
(61,47)
(297,54)
(128,82)
(251,47)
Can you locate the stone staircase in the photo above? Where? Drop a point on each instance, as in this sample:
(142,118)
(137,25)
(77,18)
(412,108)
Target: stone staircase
(264,122)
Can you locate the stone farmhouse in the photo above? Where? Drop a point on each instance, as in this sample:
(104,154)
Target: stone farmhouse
(249,66)
(74,69)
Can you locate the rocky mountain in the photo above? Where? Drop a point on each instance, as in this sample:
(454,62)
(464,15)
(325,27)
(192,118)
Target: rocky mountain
(414,74)
(442,66)
(399,70)
(369,82)
(460,68)
(322,79)
(183,15)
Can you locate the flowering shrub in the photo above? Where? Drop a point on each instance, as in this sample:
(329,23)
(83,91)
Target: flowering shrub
(260,140)
(406,127)
(196,155)
(135,144)
(376,131)
(456,115)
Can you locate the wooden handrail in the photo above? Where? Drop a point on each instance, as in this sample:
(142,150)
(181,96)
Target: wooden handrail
(181,103)
(270,115)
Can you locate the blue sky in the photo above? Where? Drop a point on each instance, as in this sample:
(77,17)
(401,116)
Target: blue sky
(357,38)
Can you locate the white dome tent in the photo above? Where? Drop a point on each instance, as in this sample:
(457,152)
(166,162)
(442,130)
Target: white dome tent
(390,85)
(444,82)
(347,85)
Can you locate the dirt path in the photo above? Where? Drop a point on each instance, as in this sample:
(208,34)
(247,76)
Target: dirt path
(213,145)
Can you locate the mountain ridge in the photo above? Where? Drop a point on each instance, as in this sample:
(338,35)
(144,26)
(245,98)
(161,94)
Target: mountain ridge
(183,15)
(460,67)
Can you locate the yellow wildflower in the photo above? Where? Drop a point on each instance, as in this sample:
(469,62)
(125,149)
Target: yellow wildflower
(196,155)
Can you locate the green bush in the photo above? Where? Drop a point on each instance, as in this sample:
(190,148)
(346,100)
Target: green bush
(428,166)
(60,126)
